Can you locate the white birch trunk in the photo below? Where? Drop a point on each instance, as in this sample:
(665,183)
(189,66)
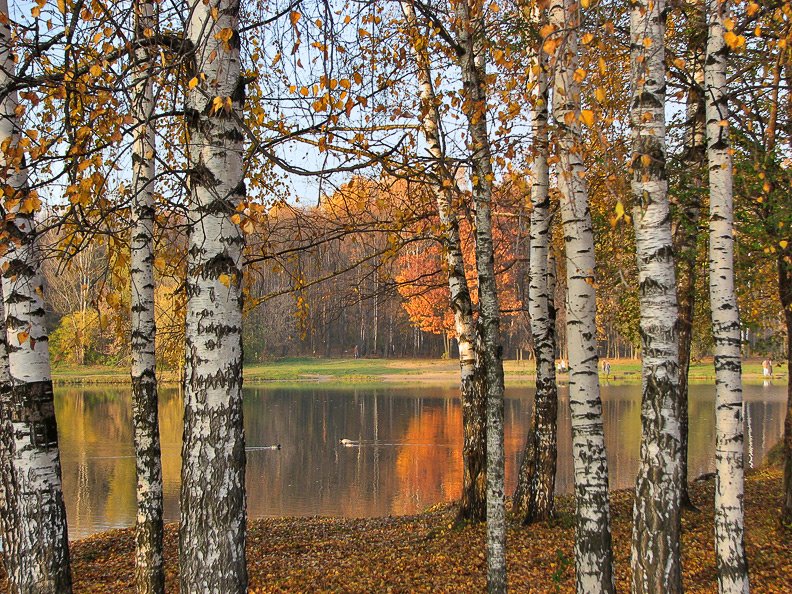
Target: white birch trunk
(534,496)
(149,575)
(593,555)
(686,230)
(473,503)
(42,546)
(9,521)
(472,62)
(729,527)
(212,535)
(656,521)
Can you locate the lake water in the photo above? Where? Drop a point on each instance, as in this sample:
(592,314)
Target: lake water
(409,457)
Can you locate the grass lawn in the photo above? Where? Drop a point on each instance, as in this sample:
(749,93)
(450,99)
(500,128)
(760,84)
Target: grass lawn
(434,371)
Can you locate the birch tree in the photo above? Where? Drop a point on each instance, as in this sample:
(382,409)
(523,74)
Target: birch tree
(785,292)
(686,229)
(9,522)
(473,503)
(471,57)
(656,522)
(533,497)
(729,489)
(213,518)
(593,555)
(149,576)
(41,540)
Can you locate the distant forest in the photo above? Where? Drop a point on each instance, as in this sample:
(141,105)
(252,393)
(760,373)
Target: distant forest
(364,269)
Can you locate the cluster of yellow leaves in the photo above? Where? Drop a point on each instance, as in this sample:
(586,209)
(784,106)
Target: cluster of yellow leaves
(734,41)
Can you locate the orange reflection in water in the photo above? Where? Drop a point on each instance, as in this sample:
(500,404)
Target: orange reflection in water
(429,463)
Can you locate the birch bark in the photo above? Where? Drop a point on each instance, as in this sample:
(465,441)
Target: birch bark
(472,61)
(533,498)
(212,535)
(593,555)
(473,504)
(149,576)
(41,547)
(729,526)
(686,229)
(656,522)
(9,520)
(785,292)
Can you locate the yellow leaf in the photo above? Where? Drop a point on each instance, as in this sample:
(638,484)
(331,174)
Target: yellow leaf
(225,34)
(96,70)
(599,94)
(225,279)
(193,82)
(646,160)
(580,75)
(294,17)
(783,243)
(752,8)
(587,38)
(30,204)
(733,41)
(619,210)
(23,336)
(587,117)
(584,3)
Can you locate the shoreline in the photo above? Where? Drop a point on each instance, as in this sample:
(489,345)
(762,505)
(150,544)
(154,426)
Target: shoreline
(425,552)
(390,371)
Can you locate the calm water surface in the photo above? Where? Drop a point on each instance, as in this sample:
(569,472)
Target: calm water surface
(409,455)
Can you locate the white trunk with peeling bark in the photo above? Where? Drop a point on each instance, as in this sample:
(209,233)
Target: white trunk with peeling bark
(470,28)
(593,555)
(212,536)
(9,522)
(656,522)
(534,496)
(729,525)
(473,503)
(149,575)
(42,539)
(538,468)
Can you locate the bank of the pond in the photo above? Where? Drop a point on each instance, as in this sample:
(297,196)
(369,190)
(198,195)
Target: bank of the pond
(425,553)
(394,371)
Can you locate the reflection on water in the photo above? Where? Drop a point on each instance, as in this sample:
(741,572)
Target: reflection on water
(406,454)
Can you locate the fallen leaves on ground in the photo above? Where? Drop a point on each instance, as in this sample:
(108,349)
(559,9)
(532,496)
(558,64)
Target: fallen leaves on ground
(426,553)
